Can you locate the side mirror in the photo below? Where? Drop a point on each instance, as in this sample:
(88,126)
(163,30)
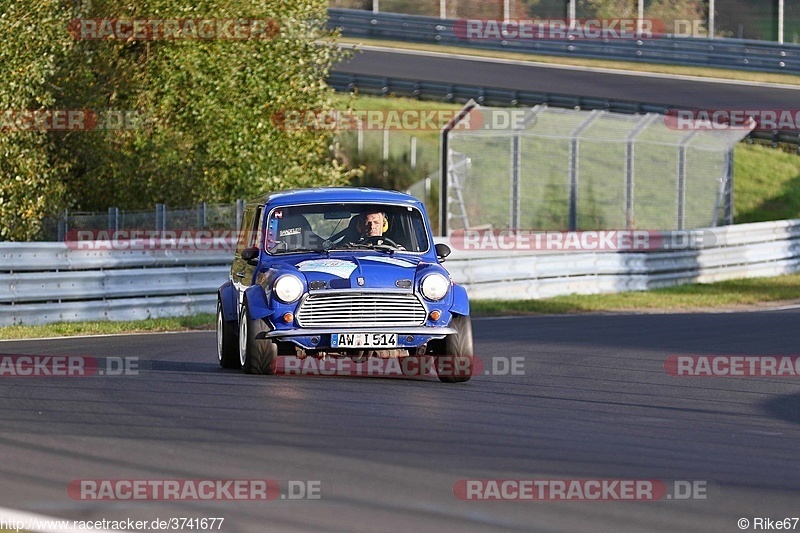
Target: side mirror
(442,251)
(250,255)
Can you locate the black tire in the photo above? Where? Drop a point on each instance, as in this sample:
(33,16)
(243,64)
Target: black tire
(227,349)
(456,364)
(257,356)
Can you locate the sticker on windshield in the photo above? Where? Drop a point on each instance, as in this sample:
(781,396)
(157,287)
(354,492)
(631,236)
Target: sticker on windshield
(334,267)
(287,232)
(391,260)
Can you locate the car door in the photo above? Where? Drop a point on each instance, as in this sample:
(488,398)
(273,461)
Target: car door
(239,265)
(256,239)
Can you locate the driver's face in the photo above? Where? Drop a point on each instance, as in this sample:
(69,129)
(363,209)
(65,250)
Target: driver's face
(373,225)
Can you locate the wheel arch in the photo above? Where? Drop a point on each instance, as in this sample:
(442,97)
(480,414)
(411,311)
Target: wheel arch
(227,295)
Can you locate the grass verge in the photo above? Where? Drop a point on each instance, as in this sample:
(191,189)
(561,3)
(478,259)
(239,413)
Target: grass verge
(725,294)
(699,71)
(65,329)
(695,297)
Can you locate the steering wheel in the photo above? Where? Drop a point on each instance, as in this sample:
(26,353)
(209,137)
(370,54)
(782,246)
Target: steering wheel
(373,239)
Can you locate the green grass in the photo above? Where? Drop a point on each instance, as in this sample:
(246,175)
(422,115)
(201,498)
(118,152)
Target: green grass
(705,72)
(725,294)
(64,329)
(766,184)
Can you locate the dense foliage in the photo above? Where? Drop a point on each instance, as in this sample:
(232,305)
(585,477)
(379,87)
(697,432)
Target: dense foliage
(197,115)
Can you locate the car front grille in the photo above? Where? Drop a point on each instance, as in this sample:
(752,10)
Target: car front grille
(361,309)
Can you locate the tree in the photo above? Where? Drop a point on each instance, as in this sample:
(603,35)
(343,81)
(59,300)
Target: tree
(31,181)
(205,107)
(664,10)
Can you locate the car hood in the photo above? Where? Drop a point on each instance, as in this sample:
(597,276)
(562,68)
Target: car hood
(363,270)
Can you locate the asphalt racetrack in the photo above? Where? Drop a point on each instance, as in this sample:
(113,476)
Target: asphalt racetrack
(591,400)
(671,91)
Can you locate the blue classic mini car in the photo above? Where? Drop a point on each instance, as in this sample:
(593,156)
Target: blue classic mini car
(341,272)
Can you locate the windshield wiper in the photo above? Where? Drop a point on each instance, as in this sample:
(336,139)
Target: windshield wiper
(294,250)
(367,246)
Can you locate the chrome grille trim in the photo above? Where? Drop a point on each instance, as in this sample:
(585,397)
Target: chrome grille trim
(361,309)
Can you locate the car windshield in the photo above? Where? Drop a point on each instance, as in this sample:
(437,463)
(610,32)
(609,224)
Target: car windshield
(331,227)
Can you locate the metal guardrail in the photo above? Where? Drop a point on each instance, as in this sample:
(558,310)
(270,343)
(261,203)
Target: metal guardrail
(738,54)
(746,250)
(49,282)
(53,282)
(489,96)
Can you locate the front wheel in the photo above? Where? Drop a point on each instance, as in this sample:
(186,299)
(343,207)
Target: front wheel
(456,364)
(257,356)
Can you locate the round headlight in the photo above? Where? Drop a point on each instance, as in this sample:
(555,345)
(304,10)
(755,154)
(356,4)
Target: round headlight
(435,286)
(288,288)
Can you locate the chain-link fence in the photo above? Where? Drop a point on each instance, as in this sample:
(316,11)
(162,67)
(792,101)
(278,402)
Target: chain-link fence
(547,168)
(161,218)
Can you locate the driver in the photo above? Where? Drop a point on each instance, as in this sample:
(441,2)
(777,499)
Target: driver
(372,221)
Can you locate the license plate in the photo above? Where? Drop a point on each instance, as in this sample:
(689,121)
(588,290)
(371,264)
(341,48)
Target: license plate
(364,340)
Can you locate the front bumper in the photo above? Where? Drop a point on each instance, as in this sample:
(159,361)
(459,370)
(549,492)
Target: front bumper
(320,338)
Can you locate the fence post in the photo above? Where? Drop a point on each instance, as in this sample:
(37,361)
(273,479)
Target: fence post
(63,226)
(239,213)
(682,178)
(202,217)
(516,164)
(729,189)
(161,218)
(630,172)
(444,168)
(574,159)
(113,218)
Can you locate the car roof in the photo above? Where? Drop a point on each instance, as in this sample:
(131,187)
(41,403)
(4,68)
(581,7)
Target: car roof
(336,194)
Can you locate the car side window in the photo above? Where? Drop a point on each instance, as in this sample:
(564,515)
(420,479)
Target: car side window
(245,233)
(257,235)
